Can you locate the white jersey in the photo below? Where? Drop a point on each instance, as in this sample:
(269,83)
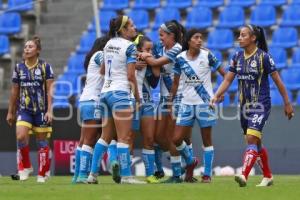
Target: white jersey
(167,74)
(94,80)
(196,76)
(118,53)
(140,77)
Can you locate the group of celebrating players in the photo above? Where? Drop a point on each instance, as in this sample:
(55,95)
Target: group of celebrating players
(122,67)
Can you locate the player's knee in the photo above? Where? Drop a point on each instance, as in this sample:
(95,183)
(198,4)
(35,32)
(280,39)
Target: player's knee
(42,143)
(177,140)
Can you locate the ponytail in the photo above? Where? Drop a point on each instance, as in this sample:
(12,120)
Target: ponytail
(117,24)
(260,36)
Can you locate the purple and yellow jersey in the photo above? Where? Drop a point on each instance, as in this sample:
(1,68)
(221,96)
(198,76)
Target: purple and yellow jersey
(32,82)
(252,74)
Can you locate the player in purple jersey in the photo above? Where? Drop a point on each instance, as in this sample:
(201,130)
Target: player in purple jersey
(31,102)
(252,66)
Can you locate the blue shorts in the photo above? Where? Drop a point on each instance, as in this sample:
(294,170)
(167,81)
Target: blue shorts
(254,120)
(114,101)
(89,110)
(162,108)
(204,115)
(146,110)
(34,122)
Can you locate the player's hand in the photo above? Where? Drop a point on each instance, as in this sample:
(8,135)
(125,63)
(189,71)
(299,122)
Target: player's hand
(145,55)
(137,106)
(48,117)
(289,111)
(221,98)
(11,118)
(213,101)
(140,65)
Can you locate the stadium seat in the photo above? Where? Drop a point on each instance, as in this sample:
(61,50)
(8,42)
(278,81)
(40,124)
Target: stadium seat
(291,16)
(291,78)
(140,18)
(86,42)
(271,83)
(285,37)
(4,45)
(60,103)
(210,3)
(218,55)
(199,17)
(280,57)
(296,58)
(276,98)
(243,3)
(115,4)
(10,23)
(105,17)
(1,5)
(273,2)
(234,86)
(75,63)
(220,39)
(20,5)
(263,15)
(146,4)
(232,17)
(179,3)
(165,14)
(298,100)
(294,2)
(153,35)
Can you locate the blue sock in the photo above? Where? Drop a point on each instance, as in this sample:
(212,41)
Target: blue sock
(185,153)
(208,157)
(191,149)
(176,165)
(148,158)
(100,149)
(112,152)
(158,158)
(124,159)
(77,161)
(85,159)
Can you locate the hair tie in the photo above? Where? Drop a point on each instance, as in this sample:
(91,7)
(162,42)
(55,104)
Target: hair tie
(124,21)
(165,28)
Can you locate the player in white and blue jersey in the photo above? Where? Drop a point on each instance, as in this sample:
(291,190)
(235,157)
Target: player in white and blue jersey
(192,70)
(116,107)
(89,110)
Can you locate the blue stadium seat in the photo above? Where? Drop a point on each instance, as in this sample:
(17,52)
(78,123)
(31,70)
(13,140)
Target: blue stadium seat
(199,17)
(294,2)
(291,78)
(280,57)
(60,103)
(243,3)
(115,4)
(179,3)
(298,100)
(10,23)
(218,54)
(210,3)
(296,58)
(232,17)
(75,63)
(165,14)
(146,4)
(285,37)
(153,35)
(291,16)
(1,5)
(263,15)
(276,98)
(4,45)
(273,2)
(140,18)
(105,17)
(20,5)
(86,42)
(271,83)
(220,39)
(234,86)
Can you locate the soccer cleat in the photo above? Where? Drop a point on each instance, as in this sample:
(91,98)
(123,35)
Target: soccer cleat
(173,179)
(266,182)
(116,172)
(190,170)
(241,180)
(82,179)
(41,179)
(152,179)
(206,179)
(74,179)
(92,179)
(191,180)
(159,174)
(131,180)
(24,174)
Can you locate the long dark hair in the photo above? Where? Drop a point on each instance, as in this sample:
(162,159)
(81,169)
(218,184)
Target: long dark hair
(98,45)
(188,36)
(115,25)
(176,28)
(260,36)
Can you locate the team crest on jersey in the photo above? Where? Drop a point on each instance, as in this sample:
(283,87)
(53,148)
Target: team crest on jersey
(253,66)
(22,75)
(272,61)
(38,74)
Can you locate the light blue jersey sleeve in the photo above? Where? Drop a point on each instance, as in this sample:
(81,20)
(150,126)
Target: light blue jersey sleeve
(157,50)
(99,58)
(213,61)
(173,52)
(269,64)
(177,67)
(131,54)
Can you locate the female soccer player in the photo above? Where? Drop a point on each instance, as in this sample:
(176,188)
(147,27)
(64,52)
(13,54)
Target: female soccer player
(31,100)
(193,73)
(164,57)
(116,109)
(89,109)
(252,67)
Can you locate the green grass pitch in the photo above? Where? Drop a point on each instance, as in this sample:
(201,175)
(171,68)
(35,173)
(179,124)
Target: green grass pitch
(223,188)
